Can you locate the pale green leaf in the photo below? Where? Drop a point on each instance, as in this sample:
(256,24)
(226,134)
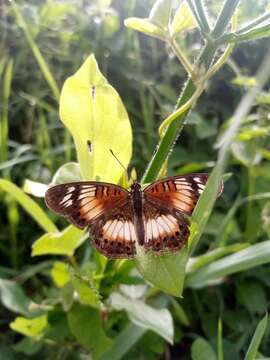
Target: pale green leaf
(256,339)
(30,327)
(145,316)
(167,272)
(183,20)
(202,350)
(68,172)
(160,13)
(85,324)
(60,273)
(13,297)
(59,243)
(34,188)
(145,26)
(33,209)
(94,114)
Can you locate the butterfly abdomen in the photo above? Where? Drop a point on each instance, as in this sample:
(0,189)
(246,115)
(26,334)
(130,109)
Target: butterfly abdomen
(137,203)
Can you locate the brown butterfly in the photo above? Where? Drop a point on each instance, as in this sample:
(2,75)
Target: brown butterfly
(155,218)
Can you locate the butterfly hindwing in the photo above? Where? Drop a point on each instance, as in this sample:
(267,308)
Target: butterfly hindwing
(164,230)
(114,234)
(179,193)
(81,202)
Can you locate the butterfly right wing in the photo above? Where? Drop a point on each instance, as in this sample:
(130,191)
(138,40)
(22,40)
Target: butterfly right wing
(82,202)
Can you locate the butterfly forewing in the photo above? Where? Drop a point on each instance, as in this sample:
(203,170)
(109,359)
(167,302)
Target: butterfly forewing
(82,202)
(178,193)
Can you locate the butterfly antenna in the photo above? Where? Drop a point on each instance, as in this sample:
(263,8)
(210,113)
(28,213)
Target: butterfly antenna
(119,162)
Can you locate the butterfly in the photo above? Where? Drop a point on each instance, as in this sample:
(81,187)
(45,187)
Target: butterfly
(156,217)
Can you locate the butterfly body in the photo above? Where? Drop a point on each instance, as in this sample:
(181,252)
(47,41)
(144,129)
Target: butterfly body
(120,220)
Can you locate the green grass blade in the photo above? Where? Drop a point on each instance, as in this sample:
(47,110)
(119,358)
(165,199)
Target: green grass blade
(256,339)
(248,258)
(124,342)
(220,354)
(33,209)
(4,116)
(44,67)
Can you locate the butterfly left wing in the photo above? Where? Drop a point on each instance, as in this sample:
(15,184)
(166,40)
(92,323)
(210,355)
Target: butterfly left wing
(82,202)
(177,193)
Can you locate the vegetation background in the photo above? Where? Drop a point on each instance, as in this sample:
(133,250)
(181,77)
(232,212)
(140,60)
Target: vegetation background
(68,302)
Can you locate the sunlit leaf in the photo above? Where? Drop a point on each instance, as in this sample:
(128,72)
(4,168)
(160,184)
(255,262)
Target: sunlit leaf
(59,243)
(33,209)
(34,188)
(60,273)
(167,272)
(246,81)
(146,27)
(94,114)
(183,19)
(30,327)
(141,314)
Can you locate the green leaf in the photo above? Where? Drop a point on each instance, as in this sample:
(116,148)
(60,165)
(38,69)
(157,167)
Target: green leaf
(60,273)
(252,295)
(256,339)
(28,346)
(246,152)
(30,327)
(33,209)
(85,324)
(87,293)
(123,342)
(68,172)
(266,218)
(59,243)
(248,258)
(13,297)
(167,272)
(179,312)
(34,188)
(160,13)
(94,114)
(146,27)
(145,316)
(202,350)
(183,20)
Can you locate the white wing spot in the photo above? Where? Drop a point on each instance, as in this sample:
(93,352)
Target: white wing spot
(197,179)
(70,189)
(65,198)
(68,203)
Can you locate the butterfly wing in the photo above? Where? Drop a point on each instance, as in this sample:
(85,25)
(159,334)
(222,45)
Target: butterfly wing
(113,233)
(178,193)
(164,229)
(82,202)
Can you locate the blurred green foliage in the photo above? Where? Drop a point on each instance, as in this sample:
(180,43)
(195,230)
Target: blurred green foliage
(71,301)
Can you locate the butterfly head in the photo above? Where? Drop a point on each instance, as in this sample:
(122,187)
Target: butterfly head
(135,187)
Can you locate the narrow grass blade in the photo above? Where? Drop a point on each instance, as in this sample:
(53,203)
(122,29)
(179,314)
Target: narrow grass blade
(256,339)
(33,209)
(124,342)
(44,67)
(220,354)
(248,258)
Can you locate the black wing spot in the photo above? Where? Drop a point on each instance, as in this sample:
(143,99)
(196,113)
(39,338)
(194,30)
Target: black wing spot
(89,145)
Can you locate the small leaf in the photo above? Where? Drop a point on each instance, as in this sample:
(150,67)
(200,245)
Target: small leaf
(246,152)
(13,297)
(160,13)
(59,243)
(167,272)
(60,274)
(141,314)
(146,27)
(256,339)
(201,350)
(34,188)
(28,346)
(246,81)
(86,292)
(30,327)
(85,324)
(68,172)
(94,114)
(183,20)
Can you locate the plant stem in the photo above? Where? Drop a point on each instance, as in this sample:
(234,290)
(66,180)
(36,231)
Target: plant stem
(254,23)
(202,15)
(204,59)
(181,57)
